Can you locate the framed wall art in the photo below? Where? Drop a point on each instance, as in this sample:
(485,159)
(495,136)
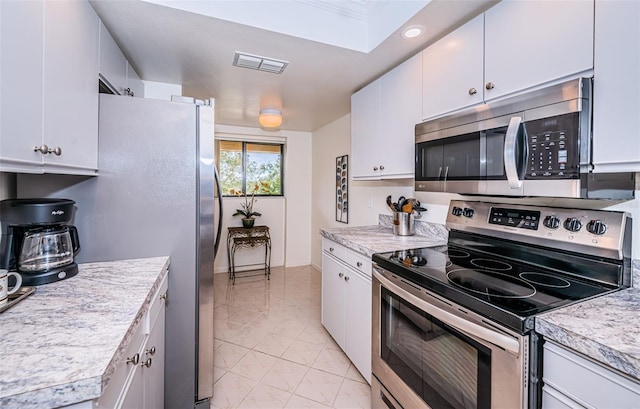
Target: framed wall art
(342,189)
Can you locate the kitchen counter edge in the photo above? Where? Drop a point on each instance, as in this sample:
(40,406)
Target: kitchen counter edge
(605,329)
(368,240)
(89,384)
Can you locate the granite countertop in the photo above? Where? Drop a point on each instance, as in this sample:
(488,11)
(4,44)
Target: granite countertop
(606,329)
(60,345)
(376,239)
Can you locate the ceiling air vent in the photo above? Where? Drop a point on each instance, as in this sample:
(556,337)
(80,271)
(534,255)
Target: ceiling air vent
(255,62)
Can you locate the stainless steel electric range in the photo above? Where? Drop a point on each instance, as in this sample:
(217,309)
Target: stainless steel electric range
(453,326)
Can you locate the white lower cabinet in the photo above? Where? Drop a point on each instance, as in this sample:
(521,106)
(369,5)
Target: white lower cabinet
(346,302)
(138,381)
(571,380)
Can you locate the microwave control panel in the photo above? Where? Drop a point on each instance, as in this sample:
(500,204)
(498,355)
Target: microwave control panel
(553,147)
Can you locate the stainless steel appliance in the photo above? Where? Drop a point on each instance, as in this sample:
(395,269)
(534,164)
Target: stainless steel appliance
(535,144)
(37,239)
(453,327)
(154,196)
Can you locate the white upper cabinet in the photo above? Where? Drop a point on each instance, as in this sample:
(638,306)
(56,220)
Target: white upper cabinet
(49,93)
(134,83)
(21,85)
(115,70)
(528,43)
(71,31)
(113,64)
(616,95)
(512,47)
(452,73)
(383,119)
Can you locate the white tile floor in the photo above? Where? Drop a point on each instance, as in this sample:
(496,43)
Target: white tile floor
(273,352)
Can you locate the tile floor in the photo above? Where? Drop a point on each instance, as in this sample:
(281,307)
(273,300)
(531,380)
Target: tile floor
(271,351)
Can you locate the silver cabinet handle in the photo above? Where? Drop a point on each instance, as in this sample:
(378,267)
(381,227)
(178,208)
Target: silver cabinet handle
(331,249)
(147,363)
(151,351)
(510,160)
(134,360)
(340,275)
(359,264)
(346,278)
(375,168)
(164,297)
(446,172)
(490,85)
(439,172)
(473,91)
(381,167)
(44,149)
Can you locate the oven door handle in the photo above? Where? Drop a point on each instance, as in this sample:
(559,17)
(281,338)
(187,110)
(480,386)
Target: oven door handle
(510,146)
(462,325)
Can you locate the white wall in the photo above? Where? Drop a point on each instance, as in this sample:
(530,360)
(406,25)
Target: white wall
(288,218)
(366,199)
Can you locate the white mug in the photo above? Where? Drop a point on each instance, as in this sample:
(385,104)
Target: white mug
(4,285)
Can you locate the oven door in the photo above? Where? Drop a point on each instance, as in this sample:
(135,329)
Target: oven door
(435,354)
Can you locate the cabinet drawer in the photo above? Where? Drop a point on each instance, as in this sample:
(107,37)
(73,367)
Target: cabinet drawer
(158,302)
(333,248)
(358,262)
(587,382)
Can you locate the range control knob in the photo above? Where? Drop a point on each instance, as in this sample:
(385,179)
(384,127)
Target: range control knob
(468,212)
(572,224)
(456,211)
(596,227)
(551,222)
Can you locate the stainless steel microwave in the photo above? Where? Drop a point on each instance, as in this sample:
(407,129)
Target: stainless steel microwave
(534,144)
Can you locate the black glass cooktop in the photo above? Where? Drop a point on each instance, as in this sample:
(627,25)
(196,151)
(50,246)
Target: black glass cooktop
(506,290)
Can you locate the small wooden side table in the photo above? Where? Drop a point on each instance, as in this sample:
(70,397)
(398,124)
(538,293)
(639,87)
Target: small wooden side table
(242,237)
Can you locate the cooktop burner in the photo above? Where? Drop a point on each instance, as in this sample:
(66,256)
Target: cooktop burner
(501,288)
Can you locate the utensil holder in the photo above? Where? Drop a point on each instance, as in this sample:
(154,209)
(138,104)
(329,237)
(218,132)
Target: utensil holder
(403,224)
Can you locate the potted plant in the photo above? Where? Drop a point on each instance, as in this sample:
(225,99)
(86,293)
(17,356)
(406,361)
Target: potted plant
(247,213)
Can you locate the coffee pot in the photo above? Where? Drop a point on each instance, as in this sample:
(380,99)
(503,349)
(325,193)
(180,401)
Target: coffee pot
(37,240)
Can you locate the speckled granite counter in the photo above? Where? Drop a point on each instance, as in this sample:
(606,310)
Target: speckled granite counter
(375,239)
(59,345)
(606,329)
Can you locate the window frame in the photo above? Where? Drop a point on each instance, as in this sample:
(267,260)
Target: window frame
(244,143)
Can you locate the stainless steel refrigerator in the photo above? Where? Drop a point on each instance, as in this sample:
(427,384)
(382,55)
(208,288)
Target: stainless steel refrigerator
(154,196)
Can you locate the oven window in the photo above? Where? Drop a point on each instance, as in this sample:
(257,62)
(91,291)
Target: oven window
(444,367)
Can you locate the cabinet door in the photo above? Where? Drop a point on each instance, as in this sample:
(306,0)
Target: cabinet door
(528,43)
(134,83)
(71,31)
(365,131)
(154,373)
(453,72)
(616,102)
(400,111)
(358,322)
(21,32)
(113,65)
(133,397)
(333,299)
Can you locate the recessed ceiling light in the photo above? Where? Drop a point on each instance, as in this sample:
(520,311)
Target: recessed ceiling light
(412,31)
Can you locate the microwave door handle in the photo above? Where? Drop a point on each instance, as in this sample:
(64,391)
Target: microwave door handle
(469,328)
(510,160)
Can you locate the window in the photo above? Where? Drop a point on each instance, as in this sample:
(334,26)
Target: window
(249,167)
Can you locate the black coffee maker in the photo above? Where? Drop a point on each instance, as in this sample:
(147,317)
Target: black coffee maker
(37,240)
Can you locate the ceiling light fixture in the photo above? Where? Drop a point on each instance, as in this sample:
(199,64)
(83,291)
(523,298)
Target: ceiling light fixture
(270,118)
(412,31)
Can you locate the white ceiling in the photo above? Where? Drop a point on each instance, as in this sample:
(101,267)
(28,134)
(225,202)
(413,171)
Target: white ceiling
(334,48)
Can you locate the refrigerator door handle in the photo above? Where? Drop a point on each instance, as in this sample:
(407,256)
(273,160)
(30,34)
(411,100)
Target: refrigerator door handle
(216,177)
